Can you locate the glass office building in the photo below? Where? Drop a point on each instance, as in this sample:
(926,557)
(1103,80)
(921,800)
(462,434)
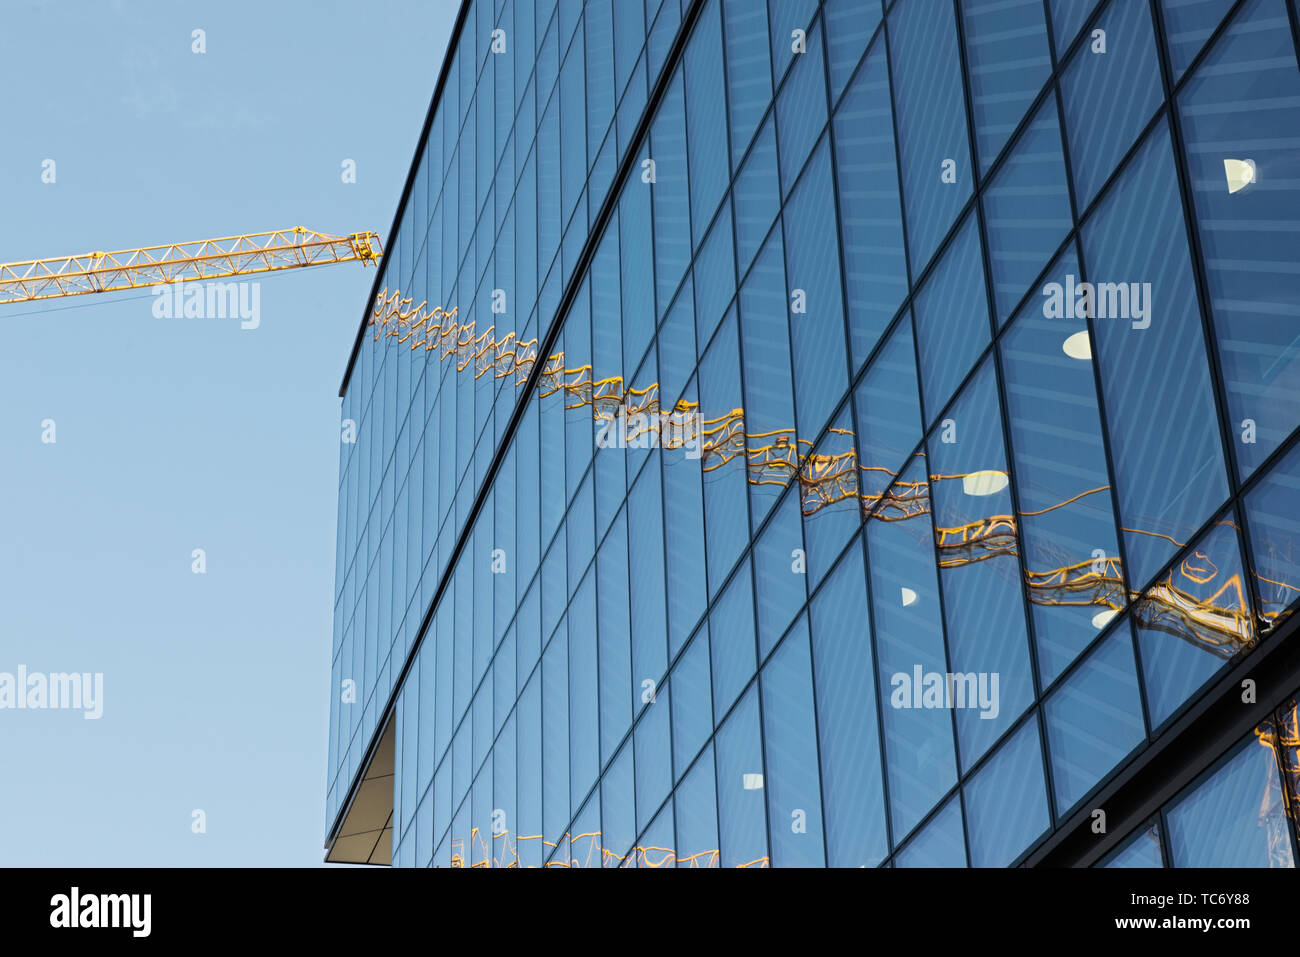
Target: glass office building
(840,433)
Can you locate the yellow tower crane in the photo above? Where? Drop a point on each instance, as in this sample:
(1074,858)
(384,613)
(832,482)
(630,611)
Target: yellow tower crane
(199,261)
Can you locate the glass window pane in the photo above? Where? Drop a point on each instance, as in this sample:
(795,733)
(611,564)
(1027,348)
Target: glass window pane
(1094,719)
(828,486)
(1193,620)
(1109,91)
(756,195)
(1006,801)
(696,804)
(1008,62)
(731,633)
(817,316)
(951,313)
(941,843)
(654,757)
(1188,24)
(850,24)
(1027,210)
(930,111)
(1142,850)
(779,576)
(742,812)
(1067,520)
(852,792)
(692,702)
(977,543)
(801,109)
(1239,106)
(1235,817)
(769,391)
(888,413)
(1160,412)
(706,119)
(793,781)
(672,210)
(871,218)
(1275,540)
(907,623)
(749,75)
(617,805)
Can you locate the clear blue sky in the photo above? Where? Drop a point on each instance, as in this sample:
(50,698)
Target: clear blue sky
(173,435)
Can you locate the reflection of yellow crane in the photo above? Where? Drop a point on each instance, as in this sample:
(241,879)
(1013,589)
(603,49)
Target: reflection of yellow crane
(826,478)
(198,261)
(1280,733)
(1217,622)
(584,850)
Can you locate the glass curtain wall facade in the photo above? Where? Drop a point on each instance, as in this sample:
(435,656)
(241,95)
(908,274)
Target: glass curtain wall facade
(743,371)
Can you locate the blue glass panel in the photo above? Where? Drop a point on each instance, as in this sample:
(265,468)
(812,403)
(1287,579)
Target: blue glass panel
(1067,518)
(769,389)
(715,276)
(1008,62)
(749,74)
(726,519)
(779,577)
(930,112)
(1188,24)
(615,651)
(1094,719)
(742,814)
(852,792)
(906,619)
(691,701)
(1194,619)
(1027,210)
(731,633)
(672,208)
(983,599)
(817,319)
(706,119)
(696,805)
(871,218)
(792,779)
(1159,403)
(756,196)
(584,704)
(618,809)
(1068,17)
(1109,96)
(1240,106)
(1233,817)
(1275,540)
(888,413)
(951,315)
(849,25)
(940,843)
(801,109)
(1142,850)
(829,496)
(787,16)
(1006,801)
(654,756)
